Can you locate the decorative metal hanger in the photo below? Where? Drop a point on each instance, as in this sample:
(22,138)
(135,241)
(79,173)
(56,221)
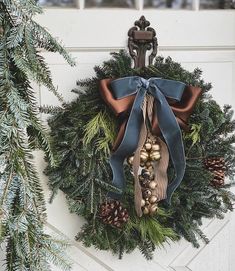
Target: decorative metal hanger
(142,38)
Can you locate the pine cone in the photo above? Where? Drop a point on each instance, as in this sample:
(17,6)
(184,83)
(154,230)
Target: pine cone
(113,213)
(216,165)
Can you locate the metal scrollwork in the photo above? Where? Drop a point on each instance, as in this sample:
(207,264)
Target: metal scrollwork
(142,38)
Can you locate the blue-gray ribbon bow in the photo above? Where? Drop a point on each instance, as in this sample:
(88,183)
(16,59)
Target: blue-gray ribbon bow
(160,89)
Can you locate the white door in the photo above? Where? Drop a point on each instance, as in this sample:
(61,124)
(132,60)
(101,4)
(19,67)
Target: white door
(192,32)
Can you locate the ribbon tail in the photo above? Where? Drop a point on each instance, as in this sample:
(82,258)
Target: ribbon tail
(128,145)
(160,170)
(172,134)
(136,162)
(116,165)
(161,177)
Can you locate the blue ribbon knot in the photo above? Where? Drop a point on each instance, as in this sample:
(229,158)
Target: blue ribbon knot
(160,89)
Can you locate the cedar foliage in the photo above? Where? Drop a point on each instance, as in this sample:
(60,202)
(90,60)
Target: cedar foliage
(82,135)
(22,204)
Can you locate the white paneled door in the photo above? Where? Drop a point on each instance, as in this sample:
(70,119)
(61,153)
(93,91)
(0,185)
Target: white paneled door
(195,33)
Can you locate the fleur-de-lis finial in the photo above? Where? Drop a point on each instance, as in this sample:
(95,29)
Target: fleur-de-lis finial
(141,39)
(142,23)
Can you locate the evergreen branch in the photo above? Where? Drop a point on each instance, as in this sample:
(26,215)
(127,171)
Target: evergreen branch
(45,40)
(22,204)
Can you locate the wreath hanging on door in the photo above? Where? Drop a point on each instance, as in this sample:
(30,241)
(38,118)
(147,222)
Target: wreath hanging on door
(163,140)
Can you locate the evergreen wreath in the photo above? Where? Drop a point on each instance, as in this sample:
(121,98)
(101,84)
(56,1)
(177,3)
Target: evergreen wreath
(83,132)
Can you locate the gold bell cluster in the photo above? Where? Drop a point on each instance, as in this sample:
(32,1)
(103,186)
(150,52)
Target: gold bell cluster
(149,155)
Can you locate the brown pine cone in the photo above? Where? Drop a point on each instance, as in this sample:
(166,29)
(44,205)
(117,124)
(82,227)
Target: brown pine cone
(216,165)
(113,213)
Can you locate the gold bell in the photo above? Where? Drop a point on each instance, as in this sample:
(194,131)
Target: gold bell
(148,146)
(155,155)
(146,210)
(147,203)
(150,168)
(153,208)
(142,203)
(143,156)
(153,199)
(130,160)
(152,185)
(155,147)
(148,164)
(145,173)
(145,182)
(147,193)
